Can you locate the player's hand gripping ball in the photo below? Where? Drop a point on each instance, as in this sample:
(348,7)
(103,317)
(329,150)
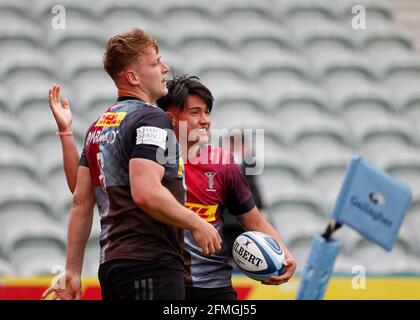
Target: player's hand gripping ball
(258,255)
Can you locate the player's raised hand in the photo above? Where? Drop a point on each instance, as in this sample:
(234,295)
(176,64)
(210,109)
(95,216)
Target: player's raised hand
(290,265)
(66,286)
(60,109)
(206,237)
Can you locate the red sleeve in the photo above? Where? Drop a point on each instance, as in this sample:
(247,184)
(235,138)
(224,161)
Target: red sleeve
(239,199)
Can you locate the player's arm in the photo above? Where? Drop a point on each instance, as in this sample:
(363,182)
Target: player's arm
(68,285)
(253,220)
(150,195)
(63,117)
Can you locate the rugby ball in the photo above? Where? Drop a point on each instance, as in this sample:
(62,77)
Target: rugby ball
(258,255)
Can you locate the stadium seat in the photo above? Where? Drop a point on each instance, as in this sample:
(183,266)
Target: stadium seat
(363,101)
(378,12)
(37,225)
(374,133)
(80,33)
(240,13)
(38,256)
(4,104)
(343,69)
(309,12)
(411,109)
(389,36)
(313,35)
(262,37)
(10,131)
(313,131)
(399,259)
(175,12)
(96,92)
(300,99)
(123,16)
(281,166)
(27,88)
(281,69)
(292,198)
(20,199)
(17,167)
(6,269)
(19,33)
(27,60)
(292,223)
(225,63)
(42,10)
(226,116)
(405,167)
(121,9)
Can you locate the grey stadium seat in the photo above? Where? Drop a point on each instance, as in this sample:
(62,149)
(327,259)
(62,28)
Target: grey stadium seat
(247,12)
(96,93)
(313,130)
(292,197)
(17,166)
(298,99)
(19,33)
(280,69)
(6,269)
(374,134)
(32,225)
(306,11)
(343,69)
(10,131)
(362,101)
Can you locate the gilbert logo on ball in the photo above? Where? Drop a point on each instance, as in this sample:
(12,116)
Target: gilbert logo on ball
(258,255)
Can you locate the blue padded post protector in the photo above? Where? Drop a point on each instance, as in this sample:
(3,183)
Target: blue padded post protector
(318,268)
(372,202)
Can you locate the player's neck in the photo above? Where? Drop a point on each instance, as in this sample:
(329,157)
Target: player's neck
(135,93)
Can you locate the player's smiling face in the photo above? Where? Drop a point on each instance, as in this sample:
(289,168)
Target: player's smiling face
(197,117)
(152,72)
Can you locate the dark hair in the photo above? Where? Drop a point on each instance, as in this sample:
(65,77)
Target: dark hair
(180,87)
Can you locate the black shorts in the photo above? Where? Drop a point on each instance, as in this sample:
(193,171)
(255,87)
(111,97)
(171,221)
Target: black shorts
(225,293)
(134,280)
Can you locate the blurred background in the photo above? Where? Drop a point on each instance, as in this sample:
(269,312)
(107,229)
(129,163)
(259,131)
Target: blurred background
(302,70)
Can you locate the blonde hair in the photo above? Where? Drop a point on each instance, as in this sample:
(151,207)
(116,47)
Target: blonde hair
(124,49)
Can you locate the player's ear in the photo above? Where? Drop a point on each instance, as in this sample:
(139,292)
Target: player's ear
(132,77)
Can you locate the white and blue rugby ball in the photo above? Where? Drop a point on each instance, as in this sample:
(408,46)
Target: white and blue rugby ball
(258,255)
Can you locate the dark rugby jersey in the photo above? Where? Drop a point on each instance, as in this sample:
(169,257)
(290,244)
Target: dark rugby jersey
(213,183)
(133,129)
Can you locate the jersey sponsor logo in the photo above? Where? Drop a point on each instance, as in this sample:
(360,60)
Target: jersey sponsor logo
(100,137)
(208,213)
(151,135)
(210,176)
(110,119)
